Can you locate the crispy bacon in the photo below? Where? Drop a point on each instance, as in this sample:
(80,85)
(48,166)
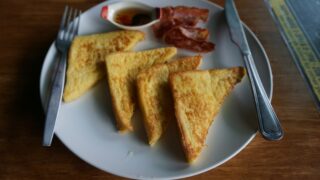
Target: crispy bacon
(198,34)
(177,27)
(190,15)
(180,38)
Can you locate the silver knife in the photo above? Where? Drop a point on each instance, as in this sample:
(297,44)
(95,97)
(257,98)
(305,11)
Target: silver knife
(269,125)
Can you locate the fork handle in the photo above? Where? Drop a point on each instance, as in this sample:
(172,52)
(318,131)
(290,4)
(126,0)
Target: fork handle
(54,100)
(269,125)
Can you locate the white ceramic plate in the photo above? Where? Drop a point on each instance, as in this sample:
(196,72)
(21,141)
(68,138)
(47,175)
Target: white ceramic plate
(86,126)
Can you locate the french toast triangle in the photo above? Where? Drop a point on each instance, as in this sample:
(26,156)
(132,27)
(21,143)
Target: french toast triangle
(86,59)
(154,95)
(198,97)
(122,70)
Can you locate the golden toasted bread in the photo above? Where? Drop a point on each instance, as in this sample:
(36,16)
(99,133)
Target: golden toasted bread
(198,97)
(122,70)
(86,59)
(154,95)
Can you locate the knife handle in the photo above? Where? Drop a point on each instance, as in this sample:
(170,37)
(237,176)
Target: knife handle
(269,125)
(54,101)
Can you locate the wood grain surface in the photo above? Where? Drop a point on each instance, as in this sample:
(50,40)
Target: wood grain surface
(28,28)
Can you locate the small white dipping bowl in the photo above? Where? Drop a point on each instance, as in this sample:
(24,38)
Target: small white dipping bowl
(109,13)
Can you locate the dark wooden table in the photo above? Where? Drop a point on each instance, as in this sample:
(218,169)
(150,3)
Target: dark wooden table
(28,28)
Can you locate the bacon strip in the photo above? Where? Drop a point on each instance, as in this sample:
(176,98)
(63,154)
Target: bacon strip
(177,37)
(198,34)
(177,27)
(190,15)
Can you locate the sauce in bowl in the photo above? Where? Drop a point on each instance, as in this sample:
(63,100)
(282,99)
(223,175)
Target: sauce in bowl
(133,17)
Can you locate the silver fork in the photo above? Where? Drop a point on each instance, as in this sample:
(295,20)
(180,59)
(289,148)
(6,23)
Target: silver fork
(68,30)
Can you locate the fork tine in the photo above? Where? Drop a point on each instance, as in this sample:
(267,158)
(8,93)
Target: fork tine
(73,24)
(78,23)
(75,27)
(67,25)
(63,21)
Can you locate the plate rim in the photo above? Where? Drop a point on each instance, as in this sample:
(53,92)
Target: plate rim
(269,94)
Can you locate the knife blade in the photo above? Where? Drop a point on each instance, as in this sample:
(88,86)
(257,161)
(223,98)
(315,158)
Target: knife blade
(269,125)
(235,27)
